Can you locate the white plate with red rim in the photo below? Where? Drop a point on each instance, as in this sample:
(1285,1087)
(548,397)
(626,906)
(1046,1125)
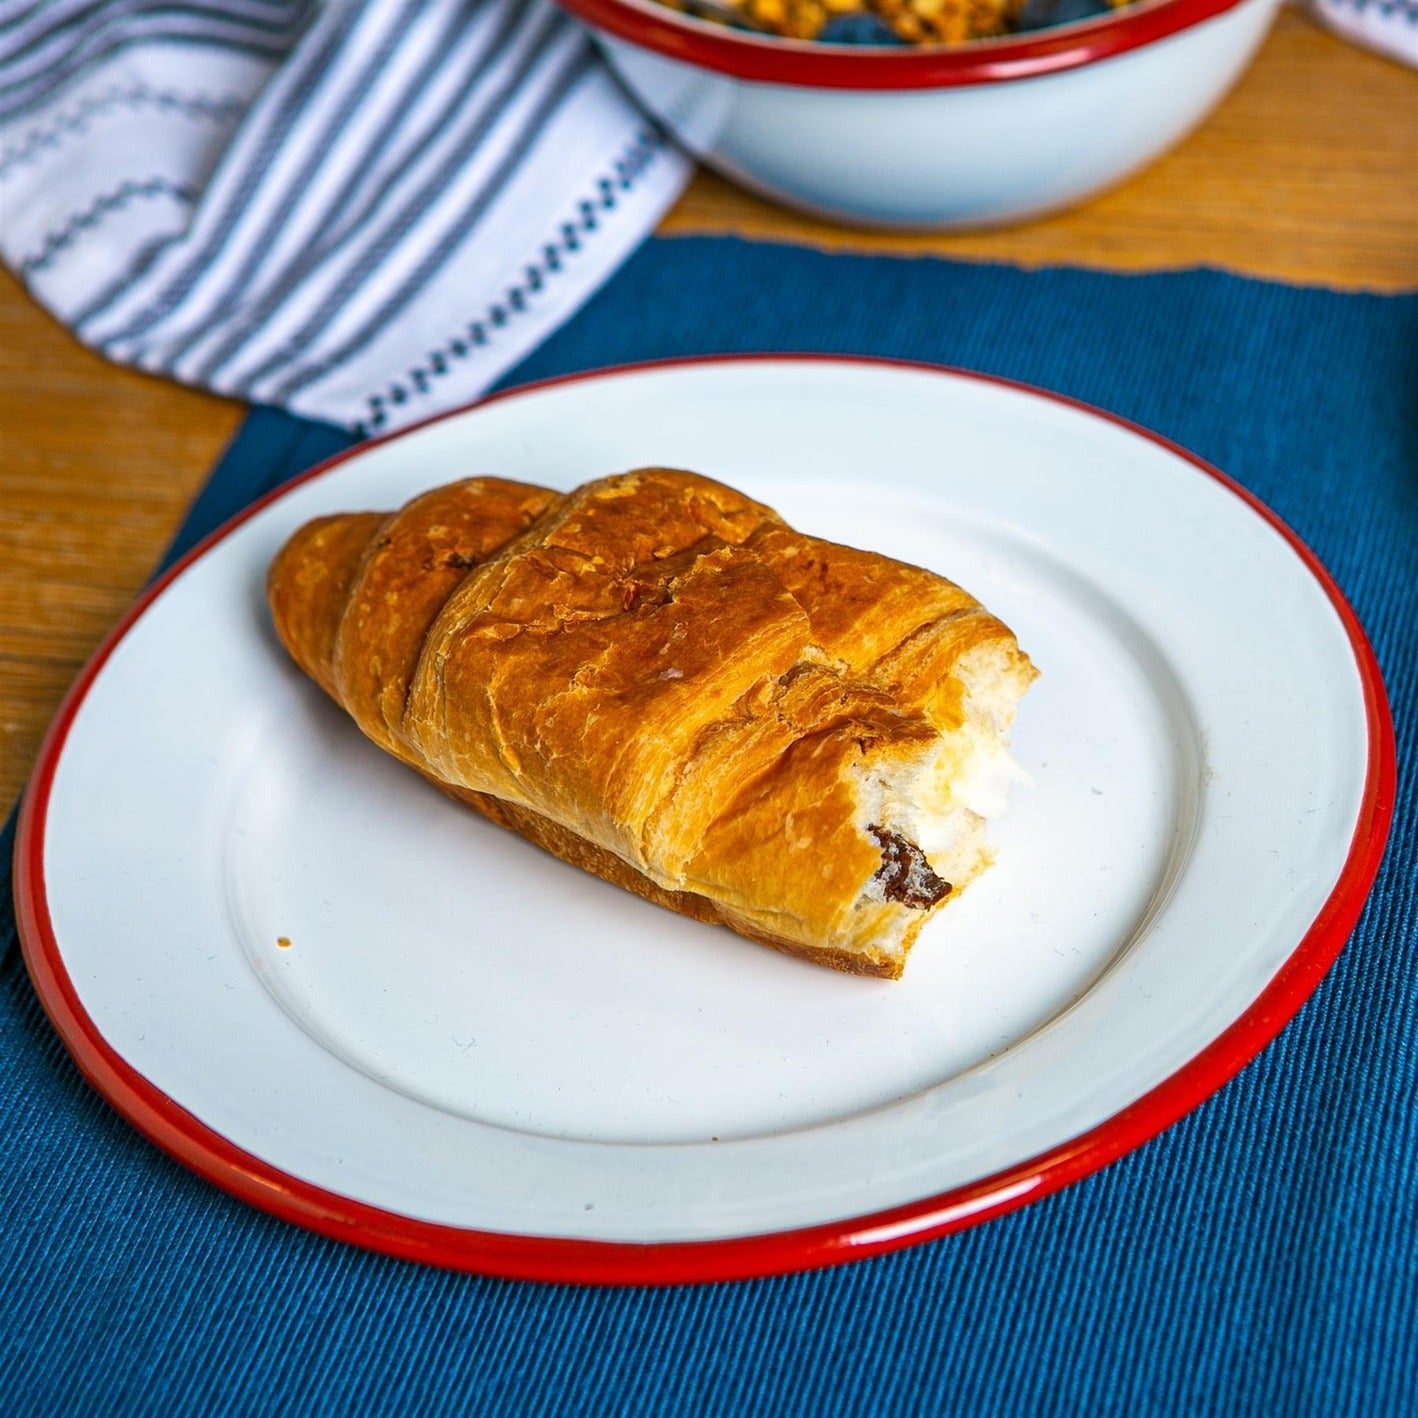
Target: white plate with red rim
(328,989)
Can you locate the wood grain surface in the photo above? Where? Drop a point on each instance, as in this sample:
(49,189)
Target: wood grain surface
(1306,173)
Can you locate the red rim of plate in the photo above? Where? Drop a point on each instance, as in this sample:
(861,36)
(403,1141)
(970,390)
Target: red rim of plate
(264,1185)
(807,64)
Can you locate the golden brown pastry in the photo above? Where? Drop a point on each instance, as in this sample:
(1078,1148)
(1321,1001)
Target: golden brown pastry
(658,680)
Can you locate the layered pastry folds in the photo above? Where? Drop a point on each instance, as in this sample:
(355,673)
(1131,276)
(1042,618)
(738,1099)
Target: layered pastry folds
(657,679)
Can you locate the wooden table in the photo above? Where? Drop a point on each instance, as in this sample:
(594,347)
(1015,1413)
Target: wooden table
(1308,172)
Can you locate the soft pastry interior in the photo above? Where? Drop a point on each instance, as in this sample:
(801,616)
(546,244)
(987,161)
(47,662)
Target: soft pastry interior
(658,680)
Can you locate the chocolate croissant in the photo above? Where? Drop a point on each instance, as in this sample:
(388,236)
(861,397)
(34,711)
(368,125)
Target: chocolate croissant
(657,679)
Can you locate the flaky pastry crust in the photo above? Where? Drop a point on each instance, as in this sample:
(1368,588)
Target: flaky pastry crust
(658,680)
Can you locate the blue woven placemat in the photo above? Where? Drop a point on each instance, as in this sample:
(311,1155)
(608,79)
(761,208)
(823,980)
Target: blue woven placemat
(1260,1257)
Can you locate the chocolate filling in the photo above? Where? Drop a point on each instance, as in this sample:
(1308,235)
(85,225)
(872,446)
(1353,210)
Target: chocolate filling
(905,874)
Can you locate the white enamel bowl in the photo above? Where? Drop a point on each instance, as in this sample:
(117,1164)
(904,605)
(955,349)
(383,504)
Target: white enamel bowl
(982,134)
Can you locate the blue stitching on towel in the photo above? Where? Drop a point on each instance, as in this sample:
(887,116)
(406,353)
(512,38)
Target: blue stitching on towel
(194,106)
(96,211)
(627,171)
(35,89)
(1405,9)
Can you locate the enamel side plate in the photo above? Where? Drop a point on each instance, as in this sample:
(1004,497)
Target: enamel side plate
(327,988)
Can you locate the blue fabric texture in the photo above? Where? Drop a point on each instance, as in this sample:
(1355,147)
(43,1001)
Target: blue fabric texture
(1260,1257)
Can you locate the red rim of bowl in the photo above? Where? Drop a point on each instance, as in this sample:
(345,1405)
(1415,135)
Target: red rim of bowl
(809,64)
(182,1135)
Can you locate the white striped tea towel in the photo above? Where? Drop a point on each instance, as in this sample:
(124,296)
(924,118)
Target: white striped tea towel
(365,213)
